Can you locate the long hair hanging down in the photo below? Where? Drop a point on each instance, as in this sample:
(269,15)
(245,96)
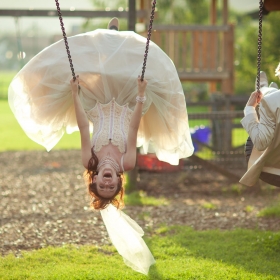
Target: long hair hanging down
(98,202)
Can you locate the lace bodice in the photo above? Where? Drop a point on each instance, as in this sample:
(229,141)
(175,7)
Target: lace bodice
(110,123)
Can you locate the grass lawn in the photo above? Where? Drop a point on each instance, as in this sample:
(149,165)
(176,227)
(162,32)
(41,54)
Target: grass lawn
(12,137)
(5,80)
(239,137)
(180,253)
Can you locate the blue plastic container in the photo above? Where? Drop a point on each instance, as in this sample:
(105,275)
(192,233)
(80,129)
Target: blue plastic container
(200,134)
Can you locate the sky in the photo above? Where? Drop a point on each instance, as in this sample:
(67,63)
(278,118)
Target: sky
(51,25)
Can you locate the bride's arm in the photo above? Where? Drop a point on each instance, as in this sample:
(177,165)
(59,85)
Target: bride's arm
(82,122)
(130,156)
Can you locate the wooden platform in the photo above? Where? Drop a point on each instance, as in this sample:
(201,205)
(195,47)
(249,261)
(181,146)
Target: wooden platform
(200,53)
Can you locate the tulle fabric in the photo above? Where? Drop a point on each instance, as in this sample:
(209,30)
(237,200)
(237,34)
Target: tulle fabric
(126,236)
(277,71)
(108,63)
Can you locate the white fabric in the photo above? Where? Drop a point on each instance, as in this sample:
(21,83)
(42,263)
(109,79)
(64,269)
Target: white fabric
(108,63)
(267,90)
(249,110)
(126,236)
(260,131)
(122,163)
(110,125)
(277,71)
(265,136)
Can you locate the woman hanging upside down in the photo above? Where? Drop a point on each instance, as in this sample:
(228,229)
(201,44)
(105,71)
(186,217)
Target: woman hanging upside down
(120,112)
(113,147)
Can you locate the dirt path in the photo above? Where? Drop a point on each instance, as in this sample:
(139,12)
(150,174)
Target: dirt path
(44,202)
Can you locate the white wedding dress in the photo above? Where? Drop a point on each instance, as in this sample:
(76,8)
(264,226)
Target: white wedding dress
(108,63)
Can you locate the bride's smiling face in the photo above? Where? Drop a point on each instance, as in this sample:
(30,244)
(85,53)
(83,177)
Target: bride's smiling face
(106,181)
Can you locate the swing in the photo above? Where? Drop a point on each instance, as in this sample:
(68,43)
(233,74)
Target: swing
(252,154)
(108,63)
(147,43)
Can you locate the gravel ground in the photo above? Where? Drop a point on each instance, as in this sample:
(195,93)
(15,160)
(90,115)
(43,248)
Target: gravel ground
(44,202)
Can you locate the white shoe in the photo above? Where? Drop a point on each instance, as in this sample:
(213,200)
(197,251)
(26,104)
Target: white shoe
(113,24)
(263,80)
(273,85)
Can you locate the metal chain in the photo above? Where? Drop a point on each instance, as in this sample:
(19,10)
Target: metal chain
(249,144)
(65,39)
(259,45)
(148,39)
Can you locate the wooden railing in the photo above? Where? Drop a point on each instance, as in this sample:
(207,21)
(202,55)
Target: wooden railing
(200,53)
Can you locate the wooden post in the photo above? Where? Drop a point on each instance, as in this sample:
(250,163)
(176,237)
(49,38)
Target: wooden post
(228,84)
(272,5)
(213,12)
(227,127)
(145,5)
(132,175)
(213,20)
(132,15)
(171,43)
(225,12)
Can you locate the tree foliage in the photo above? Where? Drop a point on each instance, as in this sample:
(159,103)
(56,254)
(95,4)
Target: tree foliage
(246,51)
(182,11)
(169,11)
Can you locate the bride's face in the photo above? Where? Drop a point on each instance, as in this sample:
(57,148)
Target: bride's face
(106,181)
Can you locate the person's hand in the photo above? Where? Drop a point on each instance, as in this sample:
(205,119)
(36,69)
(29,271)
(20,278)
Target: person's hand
(141,86)
(75,85)
(254,99)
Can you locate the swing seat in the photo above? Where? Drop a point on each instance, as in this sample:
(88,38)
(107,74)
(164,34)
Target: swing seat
(266,177)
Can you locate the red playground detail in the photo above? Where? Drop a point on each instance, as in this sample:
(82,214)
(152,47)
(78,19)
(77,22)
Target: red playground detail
(150,162)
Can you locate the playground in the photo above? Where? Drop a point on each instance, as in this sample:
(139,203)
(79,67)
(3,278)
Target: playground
(47,204)
(199,221)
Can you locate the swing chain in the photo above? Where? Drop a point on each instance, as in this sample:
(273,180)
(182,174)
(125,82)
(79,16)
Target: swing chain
(65,39)
(148,39)
(259,45)
(147,43)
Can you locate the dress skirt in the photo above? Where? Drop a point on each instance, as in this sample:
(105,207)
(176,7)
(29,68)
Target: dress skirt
(108,63)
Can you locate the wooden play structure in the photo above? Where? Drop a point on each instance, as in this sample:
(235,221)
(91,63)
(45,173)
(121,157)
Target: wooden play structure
(271,6)
(201,53)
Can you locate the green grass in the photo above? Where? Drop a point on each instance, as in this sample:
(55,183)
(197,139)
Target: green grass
(239,137)
(5,80)
(249,208)
(209,205)
(271,211)
(139,198)
(181,253)
(12,137)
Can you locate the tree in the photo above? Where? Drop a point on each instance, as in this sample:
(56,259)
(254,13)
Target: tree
(246,51)
(168,11)
(182,12)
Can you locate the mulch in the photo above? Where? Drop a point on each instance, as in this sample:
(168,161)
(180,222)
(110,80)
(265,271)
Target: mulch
(44,202)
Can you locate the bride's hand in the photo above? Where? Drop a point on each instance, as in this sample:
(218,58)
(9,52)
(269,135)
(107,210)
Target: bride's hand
(141,86)
(75,85)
